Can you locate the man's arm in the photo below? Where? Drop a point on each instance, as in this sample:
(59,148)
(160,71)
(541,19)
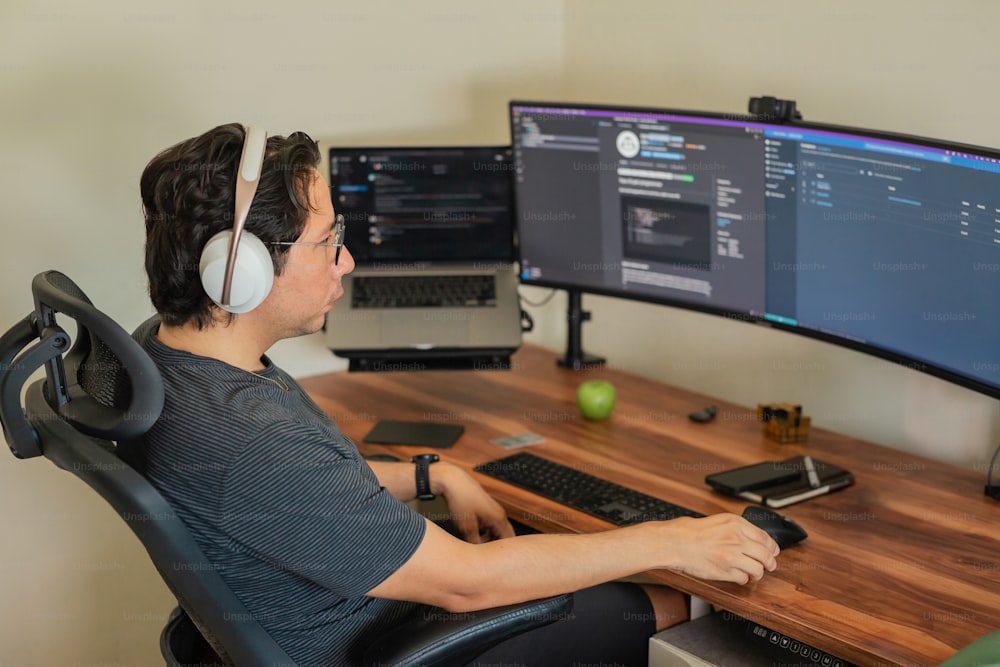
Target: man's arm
(398,478)
(475,514)
(458,576)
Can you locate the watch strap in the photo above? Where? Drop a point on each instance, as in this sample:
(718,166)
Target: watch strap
(423,478)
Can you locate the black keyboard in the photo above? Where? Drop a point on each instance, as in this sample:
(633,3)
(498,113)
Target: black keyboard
(582,491)
(430,291)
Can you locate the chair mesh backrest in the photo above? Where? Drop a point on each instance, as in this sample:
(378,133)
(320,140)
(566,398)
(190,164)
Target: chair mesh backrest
(103,377)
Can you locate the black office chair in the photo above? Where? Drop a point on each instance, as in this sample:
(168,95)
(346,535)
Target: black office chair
(104,389)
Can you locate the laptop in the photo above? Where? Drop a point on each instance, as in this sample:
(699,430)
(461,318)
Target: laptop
(431,230)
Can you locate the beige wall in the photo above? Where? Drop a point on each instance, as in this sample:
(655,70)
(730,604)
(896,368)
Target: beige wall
(87,96)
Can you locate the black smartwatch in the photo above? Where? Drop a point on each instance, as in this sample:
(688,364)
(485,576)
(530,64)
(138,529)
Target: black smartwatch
(424,462)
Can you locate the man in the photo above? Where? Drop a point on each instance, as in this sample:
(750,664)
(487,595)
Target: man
(317,542)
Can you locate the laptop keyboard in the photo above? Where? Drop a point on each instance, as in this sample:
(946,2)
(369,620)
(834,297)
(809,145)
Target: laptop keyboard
(431,291)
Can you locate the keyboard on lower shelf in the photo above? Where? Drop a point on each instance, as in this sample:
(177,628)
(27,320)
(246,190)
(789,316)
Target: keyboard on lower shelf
(582,491)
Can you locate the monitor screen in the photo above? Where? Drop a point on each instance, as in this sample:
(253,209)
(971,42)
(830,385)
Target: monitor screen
(885,243)
(431,203)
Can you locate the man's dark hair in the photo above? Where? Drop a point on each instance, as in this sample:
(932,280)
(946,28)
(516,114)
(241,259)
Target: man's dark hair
(189,194)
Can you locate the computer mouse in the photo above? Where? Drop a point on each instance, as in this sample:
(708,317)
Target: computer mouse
(704,416)
(782,530)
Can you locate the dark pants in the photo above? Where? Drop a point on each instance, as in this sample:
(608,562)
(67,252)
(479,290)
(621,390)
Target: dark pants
(609,625)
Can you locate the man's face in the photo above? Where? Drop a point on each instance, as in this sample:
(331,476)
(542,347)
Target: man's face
(310,281)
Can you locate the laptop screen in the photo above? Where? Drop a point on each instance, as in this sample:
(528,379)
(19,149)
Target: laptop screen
(425,204)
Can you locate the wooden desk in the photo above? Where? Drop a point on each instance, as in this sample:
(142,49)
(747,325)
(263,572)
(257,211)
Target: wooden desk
(901,569)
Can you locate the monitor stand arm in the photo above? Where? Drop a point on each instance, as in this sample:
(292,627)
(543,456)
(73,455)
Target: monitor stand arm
(575,357)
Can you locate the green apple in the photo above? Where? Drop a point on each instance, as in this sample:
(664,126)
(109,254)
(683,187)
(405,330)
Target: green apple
(596,398)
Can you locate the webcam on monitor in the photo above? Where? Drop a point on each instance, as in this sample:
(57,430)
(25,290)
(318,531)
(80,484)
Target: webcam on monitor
(773,110)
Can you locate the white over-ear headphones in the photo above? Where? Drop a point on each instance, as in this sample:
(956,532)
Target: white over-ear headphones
(236,268)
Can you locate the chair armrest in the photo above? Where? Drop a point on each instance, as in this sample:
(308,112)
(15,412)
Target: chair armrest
(431,637)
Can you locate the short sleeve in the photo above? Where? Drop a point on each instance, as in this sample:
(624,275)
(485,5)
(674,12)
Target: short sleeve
(296,499)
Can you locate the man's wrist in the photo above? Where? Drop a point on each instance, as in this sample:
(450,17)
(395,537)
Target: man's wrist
(442,475)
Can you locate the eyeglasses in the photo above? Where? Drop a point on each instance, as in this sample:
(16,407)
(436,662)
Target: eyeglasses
(334,240)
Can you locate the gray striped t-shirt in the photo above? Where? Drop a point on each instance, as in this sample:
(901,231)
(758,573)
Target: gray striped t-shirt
(281,501)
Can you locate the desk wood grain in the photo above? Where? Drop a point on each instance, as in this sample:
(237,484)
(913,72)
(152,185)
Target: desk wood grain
(903,568)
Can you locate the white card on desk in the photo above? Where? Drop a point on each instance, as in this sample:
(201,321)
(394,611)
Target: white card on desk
(519,440)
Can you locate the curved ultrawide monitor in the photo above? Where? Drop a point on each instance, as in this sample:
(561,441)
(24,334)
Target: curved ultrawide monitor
(881,242)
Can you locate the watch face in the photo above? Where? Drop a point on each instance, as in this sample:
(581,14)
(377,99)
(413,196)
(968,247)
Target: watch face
(430,458)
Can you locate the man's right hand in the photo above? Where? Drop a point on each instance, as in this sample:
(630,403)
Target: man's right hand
(723,547)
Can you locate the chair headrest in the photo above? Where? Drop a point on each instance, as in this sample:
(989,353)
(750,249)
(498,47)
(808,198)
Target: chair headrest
(105,385)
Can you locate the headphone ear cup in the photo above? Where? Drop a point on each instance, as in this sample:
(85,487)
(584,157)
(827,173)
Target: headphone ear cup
(253,274)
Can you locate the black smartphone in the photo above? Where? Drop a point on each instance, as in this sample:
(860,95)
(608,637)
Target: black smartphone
(754,476)
(423,434)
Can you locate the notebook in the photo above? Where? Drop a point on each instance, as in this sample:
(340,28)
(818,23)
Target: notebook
(830,478)
(433,218)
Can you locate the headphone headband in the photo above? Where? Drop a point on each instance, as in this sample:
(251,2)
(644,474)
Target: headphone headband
(247,179)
